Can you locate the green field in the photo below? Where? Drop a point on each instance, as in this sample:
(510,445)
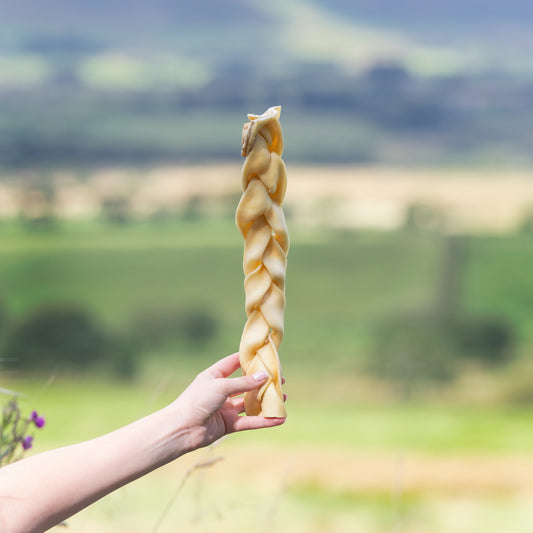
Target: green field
(349,438)
(340,285)
(334,465)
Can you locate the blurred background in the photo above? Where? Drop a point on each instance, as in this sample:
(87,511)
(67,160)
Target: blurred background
(408,349)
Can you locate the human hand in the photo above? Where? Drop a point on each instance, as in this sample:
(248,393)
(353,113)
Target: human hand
(211,406)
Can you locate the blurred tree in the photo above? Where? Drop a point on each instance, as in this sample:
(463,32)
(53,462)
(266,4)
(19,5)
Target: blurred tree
(199,326)
(159,328)
(424,218)
(412,349)
(193,208)
(116,209)
(433,345)
(526,225)
(449,282)
(37,205)
(489,340)
(64,337)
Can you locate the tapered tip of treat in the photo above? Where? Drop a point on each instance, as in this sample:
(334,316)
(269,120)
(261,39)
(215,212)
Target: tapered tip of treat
(250,129)
(271,112)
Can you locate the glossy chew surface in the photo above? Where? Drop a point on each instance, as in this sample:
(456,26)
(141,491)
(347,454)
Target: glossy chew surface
(261,221)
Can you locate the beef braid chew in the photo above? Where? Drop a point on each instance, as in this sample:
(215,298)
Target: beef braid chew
(261,221)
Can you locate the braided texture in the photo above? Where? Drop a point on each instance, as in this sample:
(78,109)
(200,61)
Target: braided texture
(261,221)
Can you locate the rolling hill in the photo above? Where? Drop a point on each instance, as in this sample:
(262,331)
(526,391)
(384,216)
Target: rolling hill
(397,81)
(494,34)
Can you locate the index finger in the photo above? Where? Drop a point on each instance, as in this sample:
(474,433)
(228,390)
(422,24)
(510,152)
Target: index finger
(225,367)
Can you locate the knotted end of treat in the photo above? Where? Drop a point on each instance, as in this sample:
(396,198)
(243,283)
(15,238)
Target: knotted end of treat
(251,129)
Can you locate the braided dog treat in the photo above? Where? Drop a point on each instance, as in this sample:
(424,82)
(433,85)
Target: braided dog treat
(260,219)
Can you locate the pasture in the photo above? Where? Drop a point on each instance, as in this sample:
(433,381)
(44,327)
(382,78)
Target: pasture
(356,454)
(358,466)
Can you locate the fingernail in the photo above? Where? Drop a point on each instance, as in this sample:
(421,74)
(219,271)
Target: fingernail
(260,376)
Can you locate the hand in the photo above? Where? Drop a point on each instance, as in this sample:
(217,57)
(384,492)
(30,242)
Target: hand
(211,405)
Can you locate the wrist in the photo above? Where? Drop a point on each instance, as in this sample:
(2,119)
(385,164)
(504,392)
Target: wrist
(187,433)
(172,436)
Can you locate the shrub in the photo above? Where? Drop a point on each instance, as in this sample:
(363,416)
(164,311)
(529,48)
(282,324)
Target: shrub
(490,340)
(116,209)
(413,349)
(199,326)
(163,327)
(526,225)
(424,218)
(193,208)
(417,348)
(62,337)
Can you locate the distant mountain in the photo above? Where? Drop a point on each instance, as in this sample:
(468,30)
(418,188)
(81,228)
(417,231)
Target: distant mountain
(106,16)
(436,12)
(97,15)
(209,31)
(496,34)
(452,34)
(393,81)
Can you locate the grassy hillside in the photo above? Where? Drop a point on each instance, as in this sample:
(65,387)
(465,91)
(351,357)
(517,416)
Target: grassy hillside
(336,289)
(351,453)
(340,291)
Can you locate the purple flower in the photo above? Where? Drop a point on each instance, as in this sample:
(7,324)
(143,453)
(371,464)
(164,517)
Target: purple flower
(39,421)
(27,442)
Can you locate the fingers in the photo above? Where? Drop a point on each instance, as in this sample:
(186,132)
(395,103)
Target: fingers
(244,423)
(238,404)
(232,386)
(226,366)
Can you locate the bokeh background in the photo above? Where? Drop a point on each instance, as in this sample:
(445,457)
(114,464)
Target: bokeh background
(408,349)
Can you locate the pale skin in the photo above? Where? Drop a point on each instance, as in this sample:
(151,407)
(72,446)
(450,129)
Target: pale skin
(45,489)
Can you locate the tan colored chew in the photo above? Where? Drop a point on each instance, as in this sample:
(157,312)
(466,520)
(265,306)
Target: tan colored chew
(261,221)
